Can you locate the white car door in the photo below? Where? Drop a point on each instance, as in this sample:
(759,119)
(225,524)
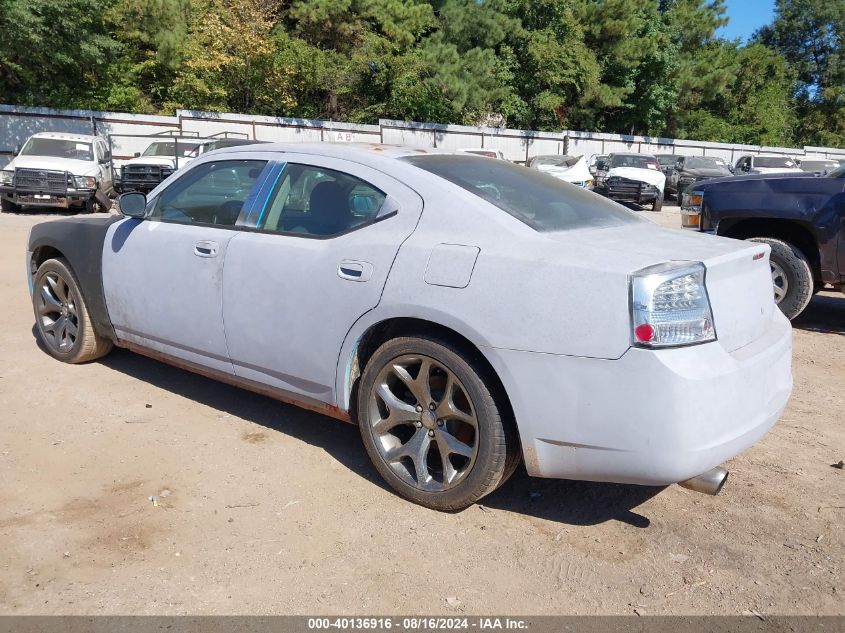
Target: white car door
(325,241)
(163,276)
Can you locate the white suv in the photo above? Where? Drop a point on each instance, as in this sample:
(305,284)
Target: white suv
(58,170)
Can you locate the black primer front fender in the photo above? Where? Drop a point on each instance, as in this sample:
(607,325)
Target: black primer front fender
(80,241)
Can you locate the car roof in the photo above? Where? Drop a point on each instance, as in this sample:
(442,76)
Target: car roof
(66,136)
(631,154)
(359,152)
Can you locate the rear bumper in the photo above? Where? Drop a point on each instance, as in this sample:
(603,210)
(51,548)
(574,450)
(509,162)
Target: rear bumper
(650,417)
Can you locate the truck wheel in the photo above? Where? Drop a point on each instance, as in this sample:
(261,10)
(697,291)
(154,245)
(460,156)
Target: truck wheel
(61,315)
(657,205)
(7,206)
(430,424)
(792,278)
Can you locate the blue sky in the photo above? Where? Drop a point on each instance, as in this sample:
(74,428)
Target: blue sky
(746,17)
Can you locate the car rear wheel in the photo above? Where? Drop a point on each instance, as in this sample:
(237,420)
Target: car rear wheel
(431,425)
(61,315)
(792,278)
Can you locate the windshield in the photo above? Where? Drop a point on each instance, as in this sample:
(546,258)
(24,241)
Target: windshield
(167,149)
(554,161)
(541,201)
(701,163)
(818,165)
(774,162)
(58,147)
(634,160)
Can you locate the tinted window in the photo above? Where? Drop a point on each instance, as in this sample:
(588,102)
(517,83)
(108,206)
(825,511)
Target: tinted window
(60,148)
(541,201)
(774,161)
(818,165)
(633,160)
(168,148)
(839,172)
(318,201)
(212,193)
(667,159)
(700,163)
(554,161)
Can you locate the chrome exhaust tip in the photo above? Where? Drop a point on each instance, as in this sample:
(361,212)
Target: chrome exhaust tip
(710,483)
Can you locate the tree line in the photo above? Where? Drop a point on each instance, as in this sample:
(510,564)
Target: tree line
(649,67)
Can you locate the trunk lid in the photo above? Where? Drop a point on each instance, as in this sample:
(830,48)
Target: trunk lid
(738,278)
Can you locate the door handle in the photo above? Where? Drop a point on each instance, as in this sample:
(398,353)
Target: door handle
(352,270)
(205,248)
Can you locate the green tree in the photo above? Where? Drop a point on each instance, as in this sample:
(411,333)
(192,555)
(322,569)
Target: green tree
(152,35)
(230,63)
(553,67)
(809,34)
(630,44)
(55,52)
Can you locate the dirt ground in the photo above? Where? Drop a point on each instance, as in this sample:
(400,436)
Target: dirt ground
(268,509)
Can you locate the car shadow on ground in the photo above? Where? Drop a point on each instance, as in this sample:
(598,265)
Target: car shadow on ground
(826,313)
(575,503)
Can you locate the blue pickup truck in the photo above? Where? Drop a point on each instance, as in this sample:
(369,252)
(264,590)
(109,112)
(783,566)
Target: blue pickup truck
(801,216)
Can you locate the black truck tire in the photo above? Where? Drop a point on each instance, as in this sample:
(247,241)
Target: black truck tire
(7,206)
(657,205)
(789,265)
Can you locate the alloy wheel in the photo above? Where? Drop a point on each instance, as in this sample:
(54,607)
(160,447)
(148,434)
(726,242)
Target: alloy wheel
(779,281)
(424,424)
(57,312)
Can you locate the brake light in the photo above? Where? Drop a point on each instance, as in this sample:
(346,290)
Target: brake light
(670,306)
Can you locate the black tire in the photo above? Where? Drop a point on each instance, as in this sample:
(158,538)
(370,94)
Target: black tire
(657,205)
(798,275)
(7,206)
(87,345)
(497,445)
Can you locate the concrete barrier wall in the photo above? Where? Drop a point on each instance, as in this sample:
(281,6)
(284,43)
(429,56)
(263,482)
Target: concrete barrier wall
(18,123)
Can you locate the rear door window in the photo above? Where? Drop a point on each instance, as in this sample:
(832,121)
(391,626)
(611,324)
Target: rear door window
(316,201)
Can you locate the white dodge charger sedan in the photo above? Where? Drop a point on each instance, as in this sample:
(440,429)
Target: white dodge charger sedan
(466,313)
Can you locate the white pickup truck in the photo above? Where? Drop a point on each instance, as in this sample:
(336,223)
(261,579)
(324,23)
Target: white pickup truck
(164,157)
(58,170)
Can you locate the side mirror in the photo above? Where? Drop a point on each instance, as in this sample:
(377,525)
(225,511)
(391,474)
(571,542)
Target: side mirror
(133,204)
(104,160)
(136,154)
(17,150)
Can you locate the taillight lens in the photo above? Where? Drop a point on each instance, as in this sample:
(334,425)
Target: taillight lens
(670,306)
